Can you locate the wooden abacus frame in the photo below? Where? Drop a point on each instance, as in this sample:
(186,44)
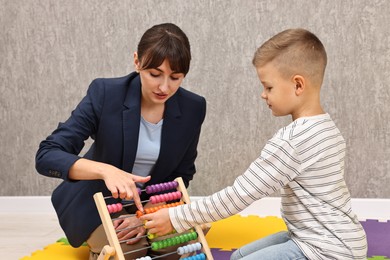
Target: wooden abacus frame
(114,248)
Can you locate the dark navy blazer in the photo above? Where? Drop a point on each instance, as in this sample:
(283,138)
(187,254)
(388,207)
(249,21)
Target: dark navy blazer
(110,114)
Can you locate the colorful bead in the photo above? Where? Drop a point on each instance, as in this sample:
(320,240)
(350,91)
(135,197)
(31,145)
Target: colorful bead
(189,248)
(144,258)
(173,241)
(161,187)
(113,208)
(200,256)
(165,197)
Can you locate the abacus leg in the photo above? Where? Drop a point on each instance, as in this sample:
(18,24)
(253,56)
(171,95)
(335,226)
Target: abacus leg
(201,238)
(108,227)
(107,251)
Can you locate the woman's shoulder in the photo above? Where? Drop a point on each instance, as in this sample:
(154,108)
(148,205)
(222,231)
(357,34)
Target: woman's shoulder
(190,96)
(109,87)
(123,81)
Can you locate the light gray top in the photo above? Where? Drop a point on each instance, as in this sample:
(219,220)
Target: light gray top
(149,141)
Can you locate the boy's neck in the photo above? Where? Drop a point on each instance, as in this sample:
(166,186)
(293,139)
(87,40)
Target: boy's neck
(307,110)
(309,104)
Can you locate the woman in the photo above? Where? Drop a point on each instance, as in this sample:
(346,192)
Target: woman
(145,129)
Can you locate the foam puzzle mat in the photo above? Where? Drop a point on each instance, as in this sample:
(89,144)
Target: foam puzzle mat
(229,234)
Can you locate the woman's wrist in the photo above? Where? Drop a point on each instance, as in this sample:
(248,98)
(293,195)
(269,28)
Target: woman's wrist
(84,169)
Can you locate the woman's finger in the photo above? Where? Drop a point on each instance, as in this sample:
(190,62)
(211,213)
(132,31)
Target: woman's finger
(136,198)
(114,191)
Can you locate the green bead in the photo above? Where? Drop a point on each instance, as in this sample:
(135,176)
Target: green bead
(155,246)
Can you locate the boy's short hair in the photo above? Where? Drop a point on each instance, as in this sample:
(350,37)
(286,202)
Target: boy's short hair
(295,51)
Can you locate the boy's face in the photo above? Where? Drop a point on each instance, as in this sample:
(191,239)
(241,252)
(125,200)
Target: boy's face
(279,91)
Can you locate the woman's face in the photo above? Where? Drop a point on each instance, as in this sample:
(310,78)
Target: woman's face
(159,84)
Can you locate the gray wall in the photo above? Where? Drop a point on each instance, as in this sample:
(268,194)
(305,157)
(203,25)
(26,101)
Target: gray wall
(51,50)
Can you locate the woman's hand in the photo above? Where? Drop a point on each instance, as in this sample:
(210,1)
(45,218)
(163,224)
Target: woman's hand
(120,183)
(158,223)
(134,232)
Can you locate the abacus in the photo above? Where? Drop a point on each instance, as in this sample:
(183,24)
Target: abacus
(114,249)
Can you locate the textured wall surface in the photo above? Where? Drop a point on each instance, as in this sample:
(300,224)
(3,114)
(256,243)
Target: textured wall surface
(51,50)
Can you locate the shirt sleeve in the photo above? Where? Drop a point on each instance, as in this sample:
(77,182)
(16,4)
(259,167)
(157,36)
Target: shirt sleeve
(277,165)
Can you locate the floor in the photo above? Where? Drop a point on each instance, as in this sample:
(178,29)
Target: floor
(22,234)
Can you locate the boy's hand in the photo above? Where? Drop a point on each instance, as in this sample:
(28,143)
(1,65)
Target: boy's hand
(158,223)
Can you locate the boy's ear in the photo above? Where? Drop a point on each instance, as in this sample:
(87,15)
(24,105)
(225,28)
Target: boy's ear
(300,84)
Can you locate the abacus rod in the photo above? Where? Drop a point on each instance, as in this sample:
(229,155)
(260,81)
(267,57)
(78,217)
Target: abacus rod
(160,256)
(171,185)
(127,240)
(164,255)
(149,210)
(124,217)
(110,197)
(132,203)
(136,250)
(155,257)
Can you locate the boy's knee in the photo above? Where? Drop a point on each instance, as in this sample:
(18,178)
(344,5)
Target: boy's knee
(236,255)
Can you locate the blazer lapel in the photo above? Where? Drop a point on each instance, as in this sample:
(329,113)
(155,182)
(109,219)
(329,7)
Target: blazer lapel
(131,121)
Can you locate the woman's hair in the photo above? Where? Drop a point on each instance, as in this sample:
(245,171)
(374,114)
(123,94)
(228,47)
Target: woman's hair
(165,41)
(294,51)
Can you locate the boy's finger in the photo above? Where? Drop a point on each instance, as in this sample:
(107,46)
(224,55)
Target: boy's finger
(146,217)
(147,224)
(153,231)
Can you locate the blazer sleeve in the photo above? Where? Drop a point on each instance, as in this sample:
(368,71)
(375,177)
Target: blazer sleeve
(61,149)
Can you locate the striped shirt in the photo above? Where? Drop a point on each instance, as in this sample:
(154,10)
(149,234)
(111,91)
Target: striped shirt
(306,161)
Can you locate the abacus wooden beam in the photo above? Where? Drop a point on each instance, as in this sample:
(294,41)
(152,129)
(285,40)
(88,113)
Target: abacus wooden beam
(108,229)
(198,229)
(114,249)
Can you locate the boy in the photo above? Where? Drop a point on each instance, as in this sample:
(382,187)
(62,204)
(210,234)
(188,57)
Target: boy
(305,159)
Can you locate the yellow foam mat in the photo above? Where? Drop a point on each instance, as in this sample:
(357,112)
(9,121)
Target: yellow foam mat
(60,251)
(236,231)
